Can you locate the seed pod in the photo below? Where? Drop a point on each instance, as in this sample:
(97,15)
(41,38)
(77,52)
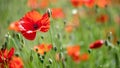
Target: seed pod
(96,44)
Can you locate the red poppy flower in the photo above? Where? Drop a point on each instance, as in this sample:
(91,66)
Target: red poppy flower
(89,3)
(44,3)
(16,62)
(102,18)
(6,55)
(73,51)
(77,3)
(32,22)
(84,57)
(96,44)
(42,48)
(33,3)
(69,28)
(102,3)
(57,13)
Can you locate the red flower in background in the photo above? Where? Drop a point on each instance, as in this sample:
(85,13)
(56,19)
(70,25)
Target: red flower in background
(102,18)
(96,44)
(42,48)
(57,13)
(6,55)
(31,23)
(89,3)
(74,52)
(44,3)
(69,28)
(84,57)
(32,3)
(16,62)
(8,59)
(102,3)
(77,3)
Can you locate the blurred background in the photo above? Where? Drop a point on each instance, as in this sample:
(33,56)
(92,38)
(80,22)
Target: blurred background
(72,23)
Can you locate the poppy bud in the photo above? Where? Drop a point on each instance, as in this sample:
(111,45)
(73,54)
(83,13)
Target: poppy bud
(50,61)
(42,37)
(16,54)
(65,22)
(41,60)
(89,51)
(31,58)
(118,42)
(107,43)
(47,66)
(110,36)
(55,48)
(96,44)
(49,12)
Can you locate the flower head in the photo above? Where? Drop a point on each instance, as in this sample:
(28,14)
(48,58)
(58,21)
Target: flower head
(102,18)
(102,3)
(6,55)
(57,13)
(16,62)
(42,48)
(77,3)
(74,52)
(31,23)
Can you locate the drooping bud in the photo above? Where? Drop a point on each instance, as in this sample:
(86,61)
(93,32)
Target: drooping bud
(96,44)
(50,60)
(49,12)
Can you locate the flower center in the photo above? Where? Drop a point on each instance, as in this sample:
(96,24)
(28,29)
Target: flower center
(35,26)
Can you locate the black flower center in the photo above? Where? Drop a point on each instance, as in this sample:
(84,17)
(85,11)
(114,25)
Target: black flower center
(35,26)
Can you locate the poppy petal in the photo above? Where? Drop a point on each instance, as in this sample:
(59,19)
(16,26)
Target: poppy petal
(26,25)
(44,23)
(11,53)
(30,19)
(57,13)
(30,35)
(32,16)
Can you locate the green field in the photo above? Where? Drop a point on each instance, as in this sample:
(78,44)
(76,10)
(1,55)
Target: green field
(80,26)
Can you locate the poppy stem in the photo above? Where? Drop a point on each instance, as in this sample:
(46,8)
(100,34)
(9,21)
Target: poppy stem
(116,60)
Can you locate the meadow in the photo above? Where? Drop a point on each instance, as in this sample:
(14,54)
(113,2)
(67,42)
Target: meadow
(59,34)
